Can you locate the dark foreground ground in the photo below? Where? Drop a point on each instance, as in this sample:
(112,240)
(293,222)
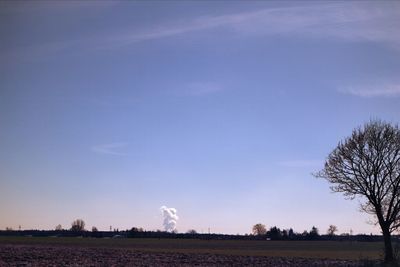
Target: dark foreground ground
(154,252)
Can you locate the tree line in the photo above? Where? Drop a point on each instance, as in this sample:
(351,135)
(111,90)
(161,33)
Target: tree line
(201,236)
(259,232)
(274,233)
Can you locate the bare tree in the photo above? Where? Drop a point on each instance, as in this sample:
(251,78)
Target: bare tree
(94,229)
(367,165)
(259,229)
(58,227)
(78,225)
(332,230)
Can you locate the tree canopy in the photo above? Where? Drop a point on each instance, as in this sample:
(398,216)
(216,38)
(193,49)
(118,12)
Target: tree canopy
(78,225)
(367,164)
(259,229)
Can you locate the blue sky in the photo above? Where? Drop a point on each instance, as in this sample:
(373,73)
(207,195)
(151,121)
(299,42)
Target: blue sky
(222,110)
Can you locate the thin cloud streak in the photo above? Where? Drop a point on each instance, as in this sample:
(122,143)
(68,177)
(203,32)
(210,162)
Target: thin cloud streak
(345,21)
(25,7)
(200,89)
(390,90)
(110,149)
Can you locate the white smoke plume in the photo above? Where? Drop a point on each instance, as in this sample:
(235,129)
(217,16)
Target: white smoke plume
(170,218)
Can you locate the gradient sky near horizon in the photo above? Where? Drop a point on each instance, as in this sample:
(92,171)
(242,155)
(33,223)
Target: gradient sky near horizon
(222,110)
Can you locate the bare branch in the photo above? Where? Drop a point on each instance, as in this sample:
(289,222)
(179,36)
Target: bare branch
(367,164)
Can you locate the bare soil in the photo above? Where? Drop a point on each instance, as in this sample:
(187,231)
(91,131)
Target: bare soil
(39,255)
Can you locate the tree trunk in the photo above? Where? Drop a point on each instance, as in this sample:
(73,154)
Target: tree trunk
(388,245)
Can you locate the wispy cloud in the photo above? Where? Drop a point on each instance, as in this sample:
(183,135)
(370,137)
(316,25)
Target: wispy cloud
(113,101)
(347,21)
(12,7)
(110,149)
(302,163)
(203,88)
(384,90)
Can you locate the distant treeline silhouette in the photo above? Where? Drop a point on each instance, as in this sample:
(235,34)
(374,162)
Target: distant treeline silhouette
(273,234)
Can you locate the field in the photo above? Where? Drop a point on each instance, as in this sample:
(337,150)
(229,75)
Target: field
(37,251)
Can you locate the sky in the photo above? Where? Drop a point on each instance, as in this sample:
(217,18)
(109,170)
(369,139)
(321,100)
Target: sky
(220,110)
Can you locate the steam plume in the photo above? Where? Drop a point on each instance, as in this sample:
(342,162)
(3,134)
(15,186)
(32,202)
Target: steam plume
(170,218)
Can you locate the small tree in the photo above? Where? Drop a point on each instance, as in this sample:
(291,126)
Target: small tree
(136,229)
(192,232)
(314,233)
(332,230)
(291,233)
(285,234)
(274,233)
(78,225)
(59,227)
(259,229)
(94,229)
(367,165)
